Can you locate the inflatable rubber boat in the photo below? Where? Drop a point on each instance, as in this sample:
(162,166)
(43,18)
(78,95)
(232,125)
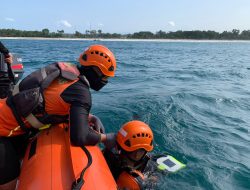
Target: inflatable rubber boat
(17,67)
(51,163)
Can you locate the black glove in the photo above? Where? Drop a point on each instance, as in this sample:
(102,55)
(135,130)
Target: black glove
(96,123)
(110,140)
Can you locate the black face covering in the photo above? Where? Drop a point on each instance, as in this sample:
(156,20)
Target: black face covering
(95,79)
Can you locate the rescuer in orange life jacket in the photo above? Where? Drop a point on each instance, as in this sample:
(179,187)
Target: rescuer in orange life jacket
(128,160)
(54,94)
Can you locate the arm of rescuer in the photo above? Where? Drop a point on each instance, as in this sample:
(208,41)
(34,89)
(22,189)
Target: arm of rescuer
(81,134)
(8,57)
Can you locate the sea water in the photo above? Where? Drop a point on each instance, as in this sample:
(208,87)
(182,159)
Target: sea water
(194,95)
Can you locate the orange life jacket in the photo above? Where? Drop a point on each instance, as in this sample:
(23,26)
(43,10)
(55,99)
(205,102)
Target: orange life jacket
(132,180)
(36,101)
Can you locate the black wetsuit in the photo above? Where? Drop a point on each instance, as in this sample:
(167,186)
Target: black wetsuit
(147,166)
(13,148)
(79,97)
(116,166)
(2,48)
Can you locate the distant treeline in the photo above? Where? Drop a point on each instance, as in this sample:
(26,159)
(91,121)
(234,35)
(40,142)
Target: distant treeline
(196,34)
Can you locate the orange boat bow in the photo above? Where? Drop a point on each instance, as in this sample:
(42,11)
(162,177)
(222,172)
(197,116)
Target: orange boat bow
(51,163)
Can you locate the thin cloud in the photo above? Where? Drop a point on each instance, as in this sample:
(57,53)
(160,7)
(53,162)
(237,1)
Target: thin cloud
(172,23)
(9,19)
(65,23)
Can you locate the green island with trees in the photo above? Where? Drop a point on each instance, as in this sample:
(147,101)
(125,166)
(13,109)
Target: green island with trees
(235,34)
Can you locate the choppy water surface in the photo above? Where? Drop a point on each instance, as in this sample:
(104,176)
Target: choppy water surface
(195,96)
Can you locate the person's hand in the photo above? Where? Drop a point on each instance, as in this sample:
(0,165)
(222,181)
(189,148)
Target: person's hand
(96,124)
(9,59)
(110,141)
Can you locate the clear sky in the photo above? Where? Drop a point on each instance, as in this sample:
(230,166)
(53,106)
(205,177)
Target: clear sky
(125,16)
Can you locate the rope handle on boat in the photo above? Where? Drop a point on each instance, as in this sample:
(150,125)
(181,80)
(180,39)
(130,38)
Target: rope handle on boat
(77,185)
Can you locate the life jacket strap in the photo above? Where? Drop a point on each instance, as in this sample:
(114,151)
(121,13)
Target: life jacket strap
(83,79)
(13,130)
(34,121)
(43,72)
(16,89)
(16,115)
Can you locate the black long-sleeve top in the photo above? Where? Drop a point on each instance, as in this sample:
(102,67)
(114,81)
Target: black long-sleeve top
(3,49)
(79,97)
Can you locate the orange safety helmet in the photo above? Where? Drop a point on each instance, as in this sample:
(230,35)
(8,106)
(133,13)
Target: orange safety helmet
(135,135)
(101,57)
(131,181)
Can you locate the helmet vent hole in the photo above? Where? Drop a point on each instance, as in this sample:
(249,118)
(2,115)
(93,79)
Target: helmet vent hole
(92,52)
(109,60)
(101,54)
(127,142)
(134,136)
(138,135)
(84,57)
(146,135)
(151,143)
(106,56)
(96,52)
(111,68)
(142,134)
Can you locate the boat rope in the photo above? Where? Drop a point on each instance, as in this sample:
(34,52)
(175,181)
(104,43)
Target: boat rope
(77,185)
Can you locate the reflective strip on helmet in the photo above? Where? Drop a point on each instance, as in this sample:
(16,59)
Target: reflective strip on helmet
(123,132)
